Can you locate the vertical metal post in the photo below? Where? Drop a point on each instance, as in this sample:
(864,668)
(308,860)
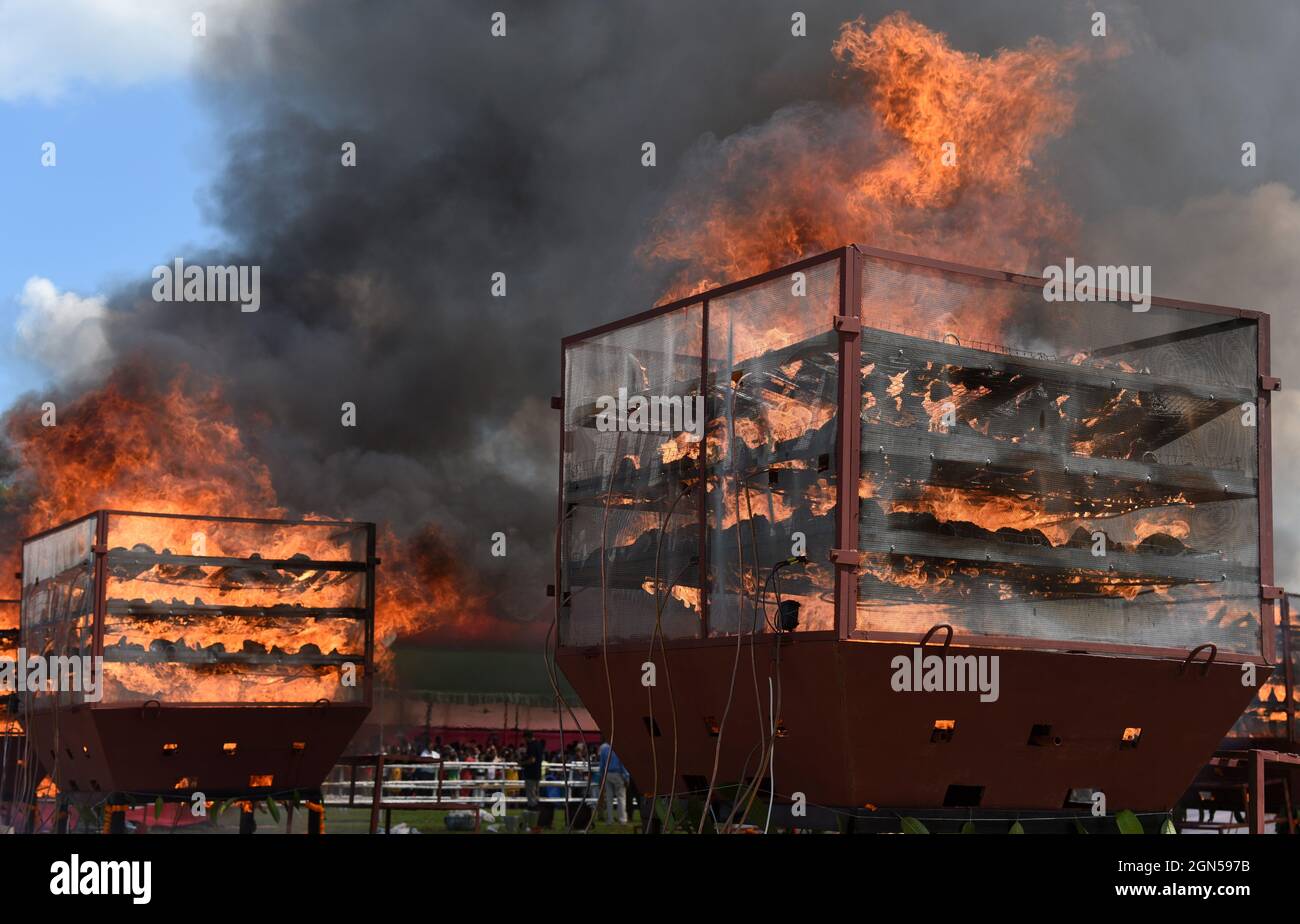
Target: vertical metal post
(371,571)
(848,323)
(247,820)
(100,550)
(1264,459)
(703,511)
(377,795)
(560,511)
(1288,672)
(315,818)
(1256,806)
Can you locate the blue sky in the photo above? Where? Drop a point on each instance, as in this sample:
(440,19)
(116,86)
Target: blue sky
(132,166)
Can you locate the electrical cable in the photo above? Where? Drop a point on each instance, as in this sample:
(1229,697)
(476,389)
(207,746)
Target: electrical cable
(660,602)
(663,651)
(748,793)
(759,605)
(739,633)
(735,665)
(548,658)
(604,629)
(654,583)
(753,626)
(771,784)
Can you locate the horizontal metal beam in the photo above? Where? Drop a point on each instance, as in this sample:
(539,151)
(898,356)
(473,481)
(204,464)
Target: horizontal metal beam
(286,611)
(131,557)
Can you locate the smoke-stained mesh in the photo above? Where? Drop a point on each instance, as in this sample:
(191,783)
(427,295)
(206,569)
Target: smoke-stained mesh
(205,610)
(58,600)
(9,622)
(630,534)
(1066,471)
(10,618)
(1268,716)
(773,376)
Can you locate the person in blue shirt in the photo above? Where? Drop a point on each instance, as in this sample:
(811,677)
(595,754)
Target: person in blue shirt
(615,776)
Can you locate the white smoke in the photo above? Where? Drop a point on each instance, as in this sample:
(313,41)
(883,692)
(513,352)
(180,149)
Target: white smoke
(63,331)
(50,48)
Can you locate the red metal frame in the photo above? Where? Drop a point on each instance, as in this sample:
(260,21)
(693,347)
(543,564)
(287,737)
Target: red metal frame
(849,437)
(704,477)
(119,747)
(1256,761)
(1289,671)
(100,552)
(1264,461)
(707,295)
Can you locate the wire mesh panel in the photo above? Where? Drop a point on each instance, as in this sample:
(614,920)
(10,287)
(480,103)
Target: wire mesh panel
(1270,715)
(1056,470)
(633,437)
(58,601)
(773,377)
(10,725)
(212,610)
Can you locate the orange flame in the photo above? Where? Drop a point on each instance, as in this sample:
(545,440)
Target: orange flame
(134,444)
(933,151)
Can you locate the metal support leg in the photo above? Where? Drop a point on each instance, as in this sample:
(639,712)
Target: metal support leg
(1256,793)
(315,818)
(247,822)
(377,795)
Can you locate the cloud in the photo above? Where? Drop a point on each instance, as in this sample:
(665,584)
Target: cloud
(1233,249)
(62,330)
(50,47)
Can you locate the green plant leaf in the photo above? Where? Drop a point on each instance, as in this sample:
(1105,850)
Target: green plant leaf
(912,826)
(273,809)
(1016,828)
(1127,822)
(968,828)
(1079,828)
(157,808)
(1168,827)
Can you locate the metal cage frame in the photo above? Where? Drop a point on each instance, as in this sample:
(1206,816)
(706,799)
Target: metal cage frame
(100,553)
(845,556)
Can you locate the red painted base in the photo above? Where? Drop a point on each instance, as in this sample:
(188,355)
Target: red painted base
(121,748)
(851,740)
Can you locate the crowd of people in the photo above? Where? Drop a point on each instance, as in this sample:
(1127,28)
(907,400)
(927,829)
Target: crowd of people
(528,761)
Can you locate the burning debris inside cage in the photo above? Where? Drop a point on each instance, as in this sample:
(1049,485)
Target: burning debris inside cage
(237,652)
(215,610)
(1081,480)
